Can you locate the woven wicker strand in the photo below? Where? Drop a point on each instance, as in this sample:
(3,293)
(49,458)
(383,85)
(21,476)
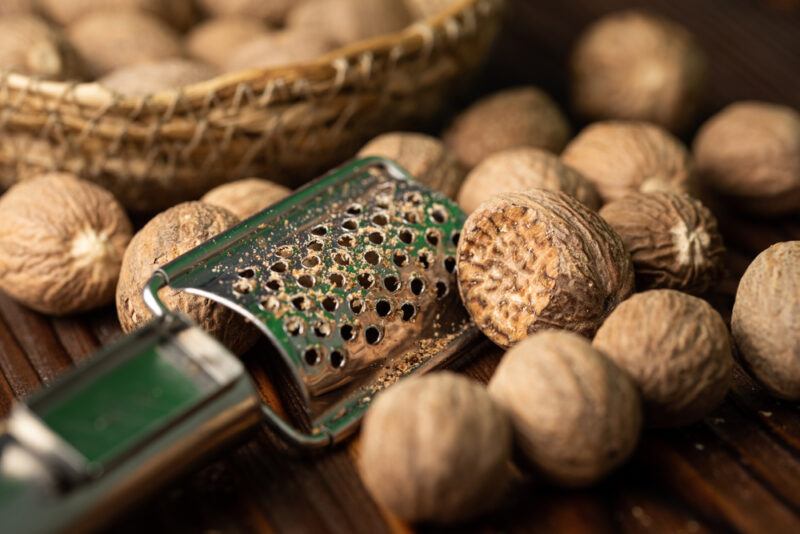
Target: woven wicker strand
(286,123)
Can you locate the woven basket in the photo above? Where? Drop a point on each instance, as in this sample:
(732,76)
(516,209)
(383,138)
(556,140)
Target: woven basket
(286,124)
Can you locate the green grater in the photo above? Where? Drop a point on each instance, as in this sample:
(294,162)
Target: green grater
(352,279)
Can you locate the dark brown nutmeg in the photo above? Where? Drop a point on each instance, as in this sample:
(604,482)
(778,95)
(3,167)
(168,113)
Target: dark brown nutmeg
(673,240)
(538,259)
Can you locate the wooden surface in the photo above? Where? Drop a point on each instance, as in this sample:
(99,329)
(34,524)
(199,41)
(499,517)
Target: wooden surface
(738,470)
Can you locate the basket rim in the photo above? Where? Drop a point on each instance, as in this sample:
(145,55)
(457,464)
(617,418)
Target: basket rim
(413,38)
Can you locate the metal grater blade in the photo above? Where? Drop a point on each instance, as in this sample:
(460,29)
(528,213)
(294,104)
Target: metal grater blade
(352,279)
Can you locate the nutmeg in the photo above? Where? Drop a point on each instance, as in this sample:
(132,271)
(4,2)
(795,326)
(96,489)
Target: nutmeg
(109,39)
(424,157)
(426,8)
(216,39)
(519,169)
(766,319)
(153,76)
(672,238)
(638,66)
(750,153)
(576,416)
(244,198)
(538,259)
(279,49)
(13,7)
(347,21)
(521,117)
(677,350)
(435,448)
(179,14)
(61,243)
(274,11)
(30,46)
(167,236)
(622,157)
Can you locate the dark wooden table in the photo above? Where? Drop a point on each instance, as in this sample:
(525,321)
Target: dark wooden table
(738,470)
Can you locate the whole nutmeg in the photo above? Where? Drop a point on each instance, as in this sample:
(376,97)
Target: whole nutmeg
(521,117)
(436,448)
(177,13)
(424,157)
(216,39)
(426,8)
(9,7)
(151,77)
(244,198)
(167,236)
(638,66)
(538,259)
(61,243)
(274,11)
(28,45)
(347,21)
(519,169)
(575,414)
(672,238)
(766,319)
(750,153)
(110,39)
(677,350)
(622,157)
(279,49)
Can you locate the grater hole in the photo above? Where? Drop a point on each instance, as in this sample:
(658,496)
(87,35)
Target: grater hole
(270,303)
(337,280)
(306,281)
(355,209)
(322,329)
(450,264)
(411,217)
(376,238)
(372,257)
(381,219)
(242,287)
(309,262)
(294,326)
(247,273)
(350,224)
(432,237)
(316,245)
(438,214)
(455,237)
(406,236)
(400,259)
(414,197)
(409,311)
(319,230)
(285,251)
(417,286)
(356,305)
(312,356)
(366,280)
(347,240)
(338,359)
(425,259)
(330,304)
(373,335)
(441,289)
(391,283)
(301,303)
(383,308)
(342,258)
(274,284)
(279,266)
(348,332)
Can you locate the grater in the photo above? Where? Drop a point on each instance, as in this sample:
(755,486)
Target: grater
(352,280)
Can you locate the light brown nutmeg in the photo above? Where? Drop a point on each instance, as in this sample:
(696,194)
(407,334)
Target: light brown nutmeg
(638,66)
(576,415)
(167,236)
(177,13)
(273,11)
(61,243)
(672,238)
(426,8)
(108,40)
(279,49)
(677,350)
(520,117)
(622,157)
(244,198)
(538,259)
(750,152)
(215,40)
(151,77)
(348,21)
(766,319)
(13,7)
(436,448)
(424,157)
(519,169)
(30,46)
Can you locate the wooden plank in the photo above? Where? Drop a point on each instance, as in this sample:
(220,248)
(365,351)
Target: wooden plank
(14,364)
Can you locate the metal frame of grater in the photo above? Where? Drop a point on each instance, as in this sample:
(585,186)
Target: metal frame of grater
(352,280)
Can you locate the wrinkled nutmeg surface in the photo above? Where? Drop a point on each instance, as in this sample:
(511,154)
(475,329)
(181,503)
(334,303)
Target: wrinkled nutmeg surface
(677,350)
(622,157)
(246,197)
(538,259)
(167,236)
(436,448)
(766,319)
(61,243)
(672,238)
(30,46)
(750,152)
(513,118)
(424,157)
(639,66)
(519,169)
(576,415)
